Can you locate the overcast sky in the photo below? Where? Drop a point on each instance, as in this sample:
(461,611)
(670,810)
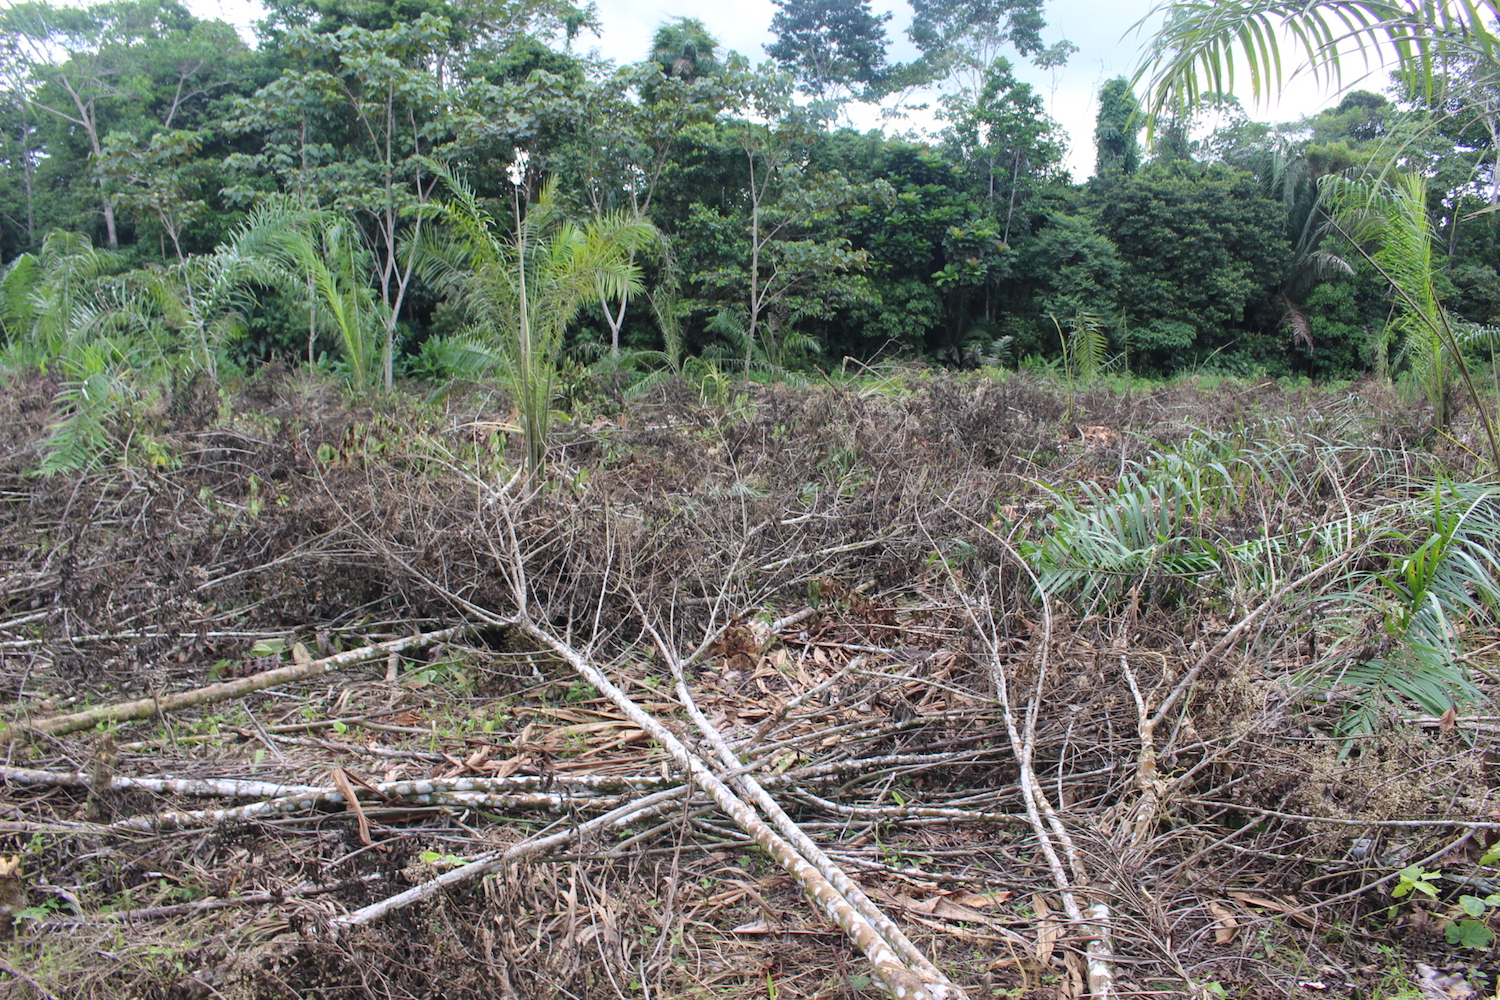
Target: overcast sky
(1102,29)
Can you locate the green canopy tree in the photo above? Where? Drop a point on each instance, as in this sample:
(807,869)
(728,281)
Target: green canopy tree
(1117,127)
(685,50)
(347,129)
(1202,251)
(1006,140)
(961,39)
(124,67)
(830,46)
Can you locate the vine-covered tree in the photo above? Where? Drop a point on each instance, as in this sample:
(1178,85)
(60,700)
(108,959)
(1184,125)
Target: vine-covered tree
(1117,147)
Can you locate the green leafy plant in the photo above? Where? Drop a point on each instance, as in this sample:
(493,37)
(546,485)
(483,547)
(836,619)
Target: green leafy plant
(1468,926)
(1085,344)
(1421,595)
(1416,879)
(435,858)
(1470,930)
(1199,47)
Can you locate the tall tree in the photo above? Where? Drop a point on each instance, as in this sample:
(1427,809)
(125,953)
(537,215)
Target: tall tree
(782,200)
(1117,127)
(1005,132)
(684,49)
(961,39)
(20,153)
(348,129)
(830,46)
(131,65)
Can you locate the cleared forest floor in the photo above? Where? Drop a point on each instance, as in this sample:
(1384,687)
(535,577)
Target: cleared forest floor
(992,683)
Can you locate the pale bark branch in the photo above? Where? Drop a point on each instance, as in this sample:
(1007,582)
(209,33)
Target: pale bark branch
(145,708)
(751,790)
(895,976)
(631,812)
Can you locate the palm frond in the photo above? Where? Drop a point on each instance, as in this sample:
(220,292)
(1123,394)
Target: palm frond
(1210,45)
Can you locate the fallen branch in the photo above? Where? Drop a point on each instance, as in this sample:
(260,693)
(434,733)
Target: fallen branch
(229,788)
(1046,824)
(205,905)
(631,812)
(145,708)
(895,976)
(516,792)
(894,814)
(1099,952)
(753,792)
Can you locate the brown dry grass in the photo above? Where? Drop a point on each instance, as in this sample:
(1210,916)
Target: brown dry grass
(298,518)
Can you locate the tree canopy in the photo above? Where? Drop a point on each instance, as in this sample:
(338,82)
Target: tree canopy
(782,237)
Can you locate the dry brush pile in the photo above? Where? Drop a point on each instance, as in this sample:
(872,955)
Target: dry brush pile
(334,704)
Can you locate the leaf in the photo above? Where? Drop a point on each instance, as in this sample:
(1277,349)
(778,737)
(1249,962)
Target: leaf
(1292,909)
(1048,932)
(1469,934)
(1472,905)
(1226,927)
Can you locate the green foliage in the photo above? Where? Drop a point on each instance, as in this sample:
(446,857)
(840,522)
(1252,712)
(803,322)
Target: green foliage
(1393,217)
(963,38)
(127,74)
(1202,45)
(830,45)
(860,244)
(1075,267)
(50,299)
(1084,345)
(683,48)
(1430,579)
(1467,927)
(1201,250)
(1424,570)
(522,292)
(1117,148)
(337,266)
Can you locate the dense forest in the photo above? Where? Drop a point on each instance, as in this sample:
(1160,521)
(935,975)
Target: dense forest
(237,203)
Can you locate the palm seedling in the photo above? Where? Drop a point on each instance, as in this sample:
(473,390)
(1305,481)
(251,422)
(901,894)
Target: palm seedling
(1084,345)
(1402,579)
(1409,607)
(49,299)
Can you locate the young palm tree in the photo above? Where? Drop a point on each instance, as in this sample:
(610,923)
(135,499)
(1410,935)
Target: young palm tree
(521,291)
(328,252)
(1387,220)
(205,299)
(48,300)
